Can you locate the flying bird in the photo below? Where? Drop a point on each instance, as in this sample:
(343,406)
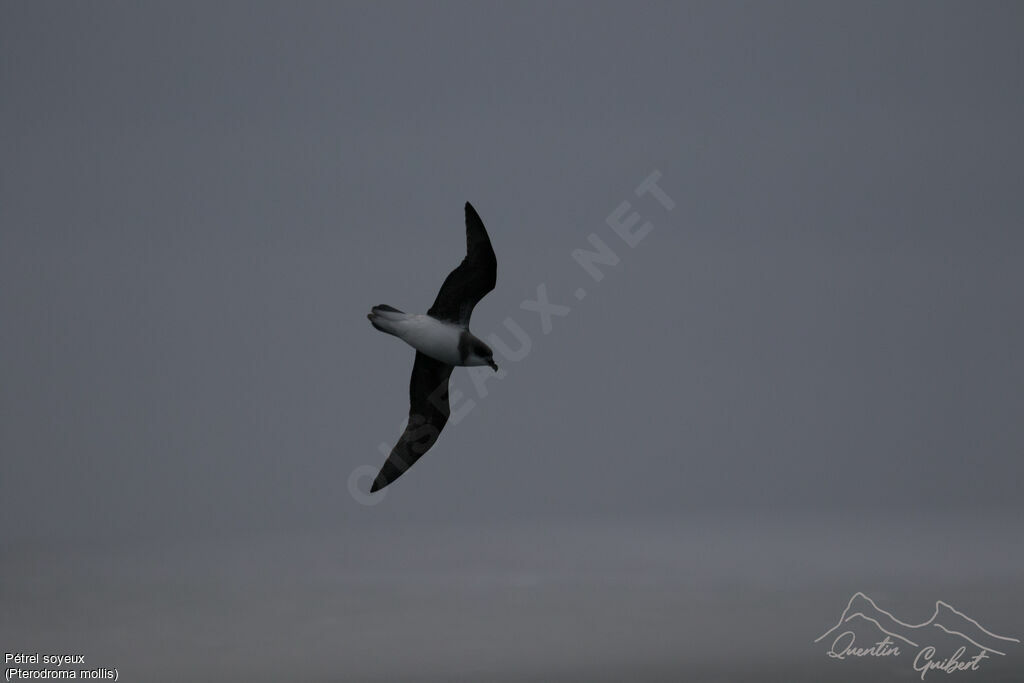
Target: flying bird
(442,340)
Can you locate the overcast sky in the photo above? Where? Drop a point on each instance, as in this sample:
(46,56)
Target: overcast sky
(199,203)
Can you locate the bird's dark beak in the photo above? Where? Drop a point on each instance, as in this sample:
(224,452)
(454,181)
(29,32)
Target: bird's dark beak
(494,366)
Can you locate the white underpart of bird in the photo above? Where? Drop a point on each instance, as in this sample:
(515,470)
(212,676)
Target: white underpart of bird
(437,339)
(442,341)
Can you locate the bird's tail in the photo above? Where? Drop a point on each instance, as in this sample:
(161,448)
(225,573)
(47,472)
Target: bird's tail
(384,317)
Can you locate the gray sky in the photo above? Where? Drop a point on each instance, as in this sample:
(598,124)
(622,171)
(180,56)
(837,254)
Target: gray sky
(199,204)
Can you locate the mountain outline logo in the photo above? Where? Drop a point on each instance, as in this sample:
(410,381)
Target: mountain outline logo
(946,629)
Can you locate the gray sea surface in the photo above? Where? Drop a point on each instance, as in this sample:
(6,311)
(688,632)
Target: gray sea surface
(731,598)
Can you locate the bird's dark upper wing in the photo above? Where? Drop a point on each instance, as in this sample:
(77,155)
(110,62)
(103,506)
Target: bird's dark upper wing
(474,277)
(428,413)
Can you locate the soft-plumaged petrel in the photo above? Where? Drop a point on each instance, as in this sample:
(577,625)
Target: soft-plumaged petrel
(442,340)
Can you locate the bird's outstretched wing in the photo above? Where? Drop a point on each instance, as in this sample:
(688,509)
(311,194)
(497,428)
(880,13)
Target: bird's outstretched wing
(428,413)
(473,278)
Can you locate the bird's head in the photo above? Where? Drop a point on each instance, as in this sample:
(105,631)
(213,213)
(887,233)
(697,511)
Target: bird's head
(481,354)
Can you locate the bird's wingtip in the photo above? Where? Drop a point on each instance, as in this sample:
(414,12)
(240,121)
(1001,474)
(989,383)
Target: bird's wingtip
(378,483)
